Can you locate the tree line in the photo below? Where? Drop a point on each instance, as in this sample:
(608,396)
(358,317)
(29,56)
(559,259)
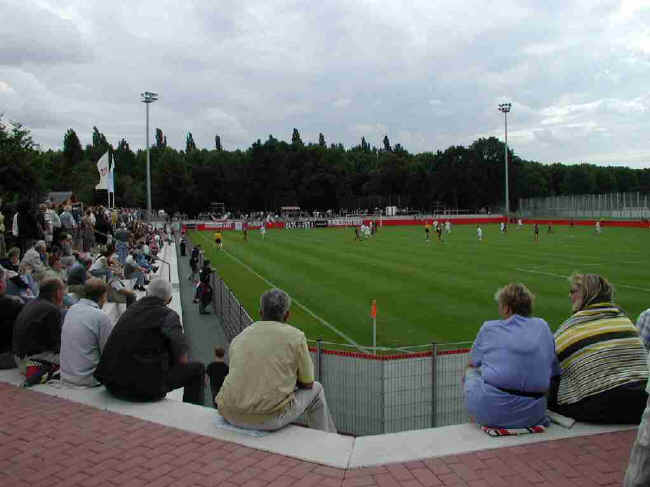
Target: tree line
(275,173)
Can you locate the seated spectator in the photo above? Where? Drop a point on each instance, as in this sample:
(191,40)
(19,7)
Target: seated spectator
(55,267)
(23,285)
(146,355)
(102,266)
(501,387)
(86,329)
(643,325)
(602,359)
(36,258)
(10,306)
(271,378)
(133,271)
(217,372)
(12,261)
(37,333)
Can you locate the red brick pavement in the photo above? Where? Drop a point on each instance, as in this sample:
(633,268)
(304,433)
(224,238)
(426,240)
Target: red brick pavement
(47,441)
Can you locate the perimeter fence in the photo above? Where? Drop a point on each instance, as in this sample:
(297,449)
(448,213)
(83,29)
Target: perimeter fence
(385,391)
(610,205)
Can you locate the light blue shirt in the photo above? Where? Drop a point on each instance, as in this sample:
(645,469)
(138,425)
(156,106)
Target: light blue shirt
(517,354)
(85,330)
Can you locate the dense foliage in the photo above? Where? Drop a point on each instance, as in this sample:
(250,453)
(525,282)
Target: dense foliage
(275,173)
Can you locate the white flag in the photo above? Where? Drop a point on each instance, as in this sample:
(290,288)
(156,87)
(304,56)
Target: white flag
(102,167)
(111,179)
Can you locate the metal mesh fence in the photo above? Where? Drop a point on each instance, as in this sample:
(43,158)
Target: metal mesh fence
(610,205)
(388,391)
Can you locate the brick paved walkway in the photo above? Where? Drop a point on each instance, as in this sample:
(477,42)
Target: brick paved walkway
(47,441)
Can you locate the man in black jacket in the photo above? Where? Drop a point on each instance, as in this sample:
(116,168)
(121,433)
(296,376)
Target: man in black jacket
(10,307)
(146,355)
(37,333)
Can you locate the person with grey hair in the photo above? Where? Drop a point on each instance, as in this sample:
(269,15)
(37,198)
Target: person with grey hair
(270,382)
(146,354)
(36,257)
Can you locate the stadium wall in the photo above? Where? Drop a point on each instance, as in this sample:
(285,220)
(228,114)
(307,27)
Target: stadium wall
(390,222)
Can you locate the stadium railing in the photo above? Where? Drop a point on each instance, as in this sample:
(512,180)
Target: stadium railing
(388,391)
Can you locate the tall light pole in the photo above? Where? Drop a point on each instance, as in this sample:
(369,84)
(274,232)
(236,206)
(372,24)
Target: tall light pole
(147,98)
(505,108)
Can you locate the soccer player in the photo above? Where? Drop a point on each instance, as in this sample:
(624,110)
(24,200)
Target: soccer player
(479,233)
(439,232)
(244,229)
(263,230)
(218,239)
(448,226)
(357,236)
(427,232)
(598,230)
(536,231)
(502,227)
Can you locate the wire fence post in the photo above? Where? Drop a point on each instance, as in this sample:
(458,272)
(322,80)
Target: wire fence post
(319,362)
(434,359)
(383,395)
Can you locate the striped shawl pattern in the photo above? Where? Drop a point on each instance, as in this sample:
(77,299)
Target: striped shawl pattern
(599,349)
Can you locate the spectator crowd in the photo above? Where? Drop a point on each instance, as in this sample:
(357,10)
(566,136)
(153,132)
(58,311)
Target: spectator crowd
(64,266)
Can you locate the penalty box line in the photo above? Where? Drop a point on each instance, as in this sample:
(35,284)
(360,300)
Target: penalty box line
(298,303)
(532,271)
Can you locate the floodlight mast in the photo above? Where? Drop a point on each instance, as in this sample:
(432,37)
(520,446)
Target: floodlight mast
(505,108)
(148,97)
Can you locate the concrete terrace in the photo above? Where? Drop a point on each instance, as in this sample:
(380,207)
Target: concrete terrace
(56,435)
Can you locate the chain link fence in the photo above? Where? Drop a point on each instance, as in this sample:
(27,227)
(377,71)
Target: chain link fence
(610,205)
(387,391)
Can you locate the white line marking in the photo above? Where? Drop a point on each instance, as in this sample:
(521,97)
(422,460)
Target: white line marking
(298,303)
(565,277)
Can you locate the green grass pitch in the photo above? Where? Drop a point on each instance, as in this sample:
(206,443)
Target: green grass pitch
(425,291)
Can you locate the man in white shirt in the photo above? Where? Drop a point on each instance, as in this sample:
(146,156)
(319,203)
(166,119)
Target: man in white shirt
(85,330)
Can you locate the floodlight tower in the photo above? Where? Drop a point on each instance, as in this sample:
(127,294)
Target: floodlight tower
(505,108)
(147,98)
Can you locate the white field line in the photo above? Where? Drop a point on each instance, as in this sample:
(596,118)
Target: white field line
(565,277)
(299,304)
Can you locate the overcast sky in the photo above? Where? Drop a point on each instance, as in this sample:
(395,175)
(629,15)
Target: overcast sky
(427,74)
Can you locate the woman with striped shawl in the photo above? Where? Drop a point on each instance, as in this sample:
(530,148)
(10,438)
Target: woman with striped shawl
(601,356)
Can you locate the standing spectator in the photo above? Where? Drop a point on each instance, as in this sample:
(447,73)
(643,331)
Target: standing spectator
(88,231)
(85,331)
(217,372)
(602,358)
(3,247)
(45,226)
(10,307)
(25,226)
(146,355)
(37,333)
(268,360)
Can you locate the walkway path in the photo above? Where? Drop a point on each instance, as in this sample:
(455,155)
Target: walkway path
(202,331)
(45,441)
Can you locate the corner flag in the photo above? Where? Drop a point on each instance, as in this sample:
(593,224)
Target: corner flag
(373,309)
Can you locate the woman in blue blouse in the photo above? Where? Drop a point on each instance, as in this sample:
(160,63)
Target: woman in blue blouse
(512,362)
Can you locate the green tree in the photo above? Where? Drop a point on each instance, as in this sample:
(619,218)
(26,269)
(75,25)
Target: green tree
(217,143)
(189,143)
(161,139)
(321,140)
(387,144)
(296,141)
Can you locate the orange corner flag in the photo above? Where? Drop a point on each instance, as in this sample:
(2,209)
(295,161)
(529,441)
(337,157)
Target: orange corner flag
(373,309)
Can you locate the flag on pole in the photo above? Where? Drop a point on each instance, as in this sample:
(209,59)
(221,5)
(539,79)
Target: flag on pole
(102,167)
(373,309)
(111,179)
